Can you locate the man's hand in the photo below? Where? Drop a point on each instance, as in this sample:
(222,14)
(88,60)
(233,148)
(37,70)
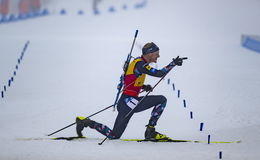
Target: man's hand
(147,88)
(178,61)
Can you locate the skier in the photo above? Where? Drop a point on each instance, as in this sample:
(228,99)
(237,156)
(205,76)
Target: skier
(127,104)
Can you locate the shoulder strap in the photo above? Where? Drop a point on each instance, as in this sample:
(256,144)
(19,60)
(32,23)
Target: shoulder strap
(131,67)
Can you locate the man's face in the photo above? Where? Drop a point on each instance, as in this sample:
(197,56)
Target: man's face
(154,56)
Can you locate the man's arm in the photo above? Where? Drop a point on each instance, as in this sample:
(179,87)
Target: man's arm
(142,67)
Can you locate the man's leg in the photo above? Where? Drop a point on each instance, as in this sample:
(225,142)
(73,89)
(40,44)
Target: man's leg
(119,126)
(122,119)
(158,102)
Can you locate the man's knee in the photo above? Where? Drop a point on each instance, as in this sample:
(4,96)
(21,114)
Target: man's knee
(163,99)
(116,135)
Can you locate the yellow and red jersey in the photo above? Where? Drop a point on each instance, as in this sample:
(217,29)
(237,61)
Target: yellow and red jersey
(136,74)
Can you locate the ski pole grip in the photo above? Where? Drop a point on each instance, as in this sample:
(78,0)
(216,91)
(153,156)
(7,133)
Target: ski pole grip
(136,32)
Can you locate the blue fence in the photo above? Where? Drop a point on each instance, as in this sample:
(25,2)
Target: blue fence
(12,17)
(23,16)
(11,79)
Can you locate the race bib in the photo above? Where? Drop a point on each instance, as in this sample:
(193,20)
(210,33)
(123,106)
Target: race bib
(131,102)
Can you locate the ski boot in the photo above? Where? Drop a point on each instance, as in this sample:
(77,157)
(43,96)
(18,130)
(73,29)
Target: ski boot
(151,134)
(82,122)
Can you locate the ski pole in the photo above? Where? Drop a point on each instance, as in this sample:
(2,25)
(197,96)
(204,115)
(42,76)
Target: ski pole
(86,117)
(141,100)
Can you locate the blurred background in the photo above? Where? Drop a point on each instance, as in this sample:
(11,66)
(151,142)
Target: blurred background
(63,58)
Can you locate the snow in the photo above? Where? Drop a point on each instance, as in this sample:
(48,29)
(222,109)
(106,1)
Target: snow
(73,64)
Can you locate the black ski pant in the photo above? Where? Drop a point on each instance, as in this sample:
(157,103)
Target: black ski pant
(127,104)
(126,107)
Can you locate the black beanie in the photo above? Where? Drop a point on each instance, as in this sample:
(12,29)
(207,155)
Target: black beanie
(150,48)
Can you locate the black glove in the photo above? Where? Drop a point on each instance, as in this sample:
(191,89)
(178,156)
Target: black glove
(177,61)
(147,88)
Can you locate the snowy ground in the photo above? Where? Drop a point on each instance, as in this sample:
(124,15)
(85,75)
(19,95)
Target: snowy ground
(73,63)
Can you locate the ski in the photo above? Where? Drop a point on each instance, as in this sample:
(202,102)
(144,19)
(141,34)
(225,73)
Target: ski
(178,141)
(68,138)
(128,140)
(162,140)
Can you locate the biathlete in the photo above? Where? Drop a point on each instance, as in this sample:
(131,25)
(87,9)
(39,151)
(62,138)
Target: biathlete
(127,104)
